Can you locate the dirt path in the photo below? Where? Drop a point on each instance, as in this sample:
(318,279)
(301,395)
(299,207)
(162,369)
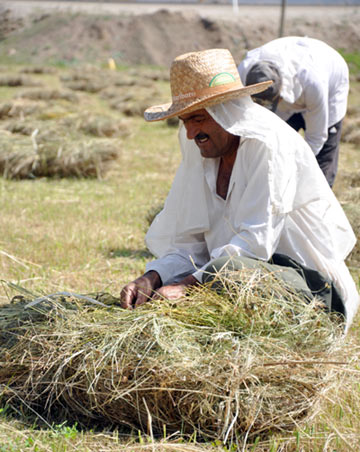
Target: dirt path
(225,12)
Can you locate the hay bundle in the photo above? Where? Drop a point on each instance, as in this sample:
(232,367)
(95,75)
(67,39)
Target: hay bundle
(133,102)
(249,360)
(351,130)
(38,70)
(24,158)
(151,74)
(89,86)
(18,108)
(49,94)
(17,80)
(68,123)
(99,125)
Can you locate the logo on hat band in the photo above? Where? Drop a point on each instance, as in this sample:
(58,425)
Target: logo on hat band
(222,78)
(184,96)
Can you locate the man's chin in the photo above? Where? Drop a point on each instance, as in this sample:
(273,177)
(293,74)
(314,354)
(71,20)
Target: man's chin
(206,154)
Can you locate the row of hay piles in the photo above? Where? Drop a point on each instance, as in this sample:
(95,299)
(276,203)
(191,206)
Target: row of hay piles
(54,131)
(244,362)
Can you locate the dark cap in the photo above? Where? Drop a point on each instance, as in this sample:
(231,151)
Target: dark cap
(260,72)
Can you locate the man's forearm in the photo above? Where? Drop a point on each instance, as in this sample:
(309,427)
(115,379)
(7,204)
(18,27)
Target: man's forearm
(154,278)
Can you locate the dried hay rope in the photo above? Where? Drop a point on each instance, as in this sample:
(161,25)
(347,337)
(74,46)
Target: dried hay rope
(55,156)
(247,361)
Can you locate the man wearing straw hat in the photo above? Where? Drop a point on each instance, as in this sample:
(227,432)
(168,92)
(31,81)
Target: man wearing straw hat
(248,192)
(310,91)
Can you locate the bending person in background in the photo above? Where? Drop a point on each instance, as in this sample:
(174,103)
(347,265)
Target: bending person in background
(248,193)
(310,91)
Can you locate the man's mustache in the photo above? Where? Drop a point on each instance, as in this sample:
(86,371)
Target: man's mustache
(201,136)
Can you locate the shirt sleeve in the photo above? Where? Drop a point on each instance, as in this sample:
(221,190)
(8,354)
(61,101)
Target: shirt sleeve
(316,116)
(188,253)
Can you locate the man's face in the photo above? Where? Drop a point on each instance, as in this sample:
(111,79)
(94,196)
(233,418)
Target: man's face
(212,140)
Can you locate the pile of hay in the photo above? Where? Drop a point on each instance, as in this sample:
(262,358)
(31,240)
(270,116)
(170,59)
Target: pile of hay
(17,80)
(350,132)
(350,200)
(243,362)
(133,101)
(49,94)
(51,155)
(18,108)
(93,80)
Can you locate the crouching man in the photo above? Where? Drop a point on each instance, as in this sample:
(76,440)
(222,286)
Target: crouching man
(248,191)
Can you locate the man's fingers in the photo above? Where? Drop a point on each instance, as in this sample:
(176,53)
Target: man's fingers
(171,292)
(138,292)
(140,299)
(127,297)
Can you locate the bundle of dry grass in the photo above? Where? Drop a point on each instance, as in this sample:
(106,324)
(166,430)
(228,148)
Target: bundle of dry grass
(49,94)
(18,108)
(237,363)
(132,102)
(17,80)
(150,74)
(55,156)
(353,213)
(38,70)
(349,195)
(99,125)
(94,80)
(351,130)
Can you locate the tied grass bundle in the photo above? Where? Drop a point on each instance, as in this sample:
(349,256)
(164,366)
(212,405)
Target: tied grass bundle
(248,360)
(27,158)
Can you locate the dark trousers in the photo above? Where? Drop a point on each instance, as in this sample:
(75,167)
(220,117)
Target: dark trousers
(297,278)
(328,156)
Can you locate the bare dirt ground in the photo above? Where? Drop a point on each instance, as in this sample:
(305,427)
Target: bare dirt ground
(44,31)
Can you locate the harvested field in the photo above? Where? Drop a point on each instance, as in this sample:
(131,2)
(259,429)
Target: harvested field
(82,177)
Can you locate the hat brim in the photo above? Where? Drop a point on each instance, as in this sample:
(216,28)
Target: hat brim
(169,110)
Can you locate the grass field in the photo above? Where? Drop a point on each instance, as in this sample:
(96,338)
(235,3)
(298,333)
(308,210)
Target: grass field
(86,234)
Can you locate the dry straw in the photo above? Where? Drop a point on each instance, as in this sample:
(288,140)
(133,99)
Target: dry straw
(17,80)
(18,108)
(55,156)
(250,360)
(49,94)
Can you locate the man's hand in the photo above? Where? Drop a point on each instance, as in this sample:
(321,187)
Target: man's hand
(175,291)
(139,291)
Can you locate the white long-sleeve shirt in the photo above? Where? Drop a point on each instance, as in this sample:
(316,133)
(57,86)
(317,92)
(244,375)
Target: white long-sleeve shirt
(278,201)
(315,83)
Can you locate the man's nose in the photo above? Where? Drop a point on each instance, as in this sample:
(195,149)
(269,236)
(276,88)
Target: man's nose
(192,129)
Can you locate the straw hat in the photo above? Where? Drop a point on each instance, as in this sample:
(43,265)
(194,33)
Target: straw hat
(201,79)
